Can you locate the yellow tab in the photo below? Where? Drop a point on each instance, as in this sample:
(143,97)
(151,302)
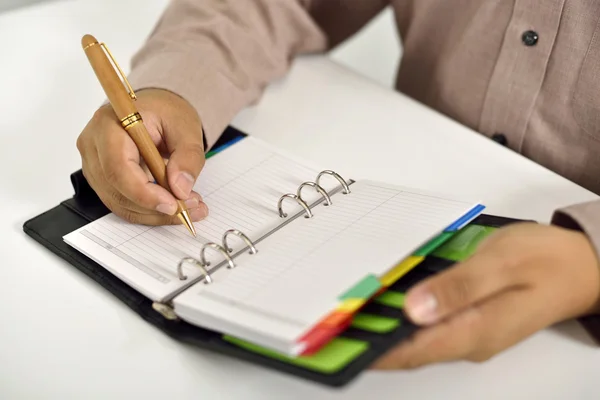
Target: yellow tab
(401,269)
(350,305)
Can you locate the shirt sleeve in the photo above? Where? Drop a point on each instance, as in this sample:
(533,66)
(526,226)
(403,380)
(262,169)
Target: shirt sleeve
(219,55)
(584,217)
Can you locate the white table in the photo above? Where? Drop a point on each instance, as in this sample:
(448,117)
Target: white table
(62,336)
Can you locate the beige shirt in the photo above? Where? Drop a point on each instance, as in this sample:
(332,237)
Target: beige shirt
(525,72)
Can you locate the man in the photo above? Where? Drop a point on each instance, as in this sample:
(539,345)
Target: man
(522,72)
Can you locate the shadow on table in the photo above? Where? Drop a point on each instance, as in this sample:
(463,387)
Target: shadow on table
(574,330)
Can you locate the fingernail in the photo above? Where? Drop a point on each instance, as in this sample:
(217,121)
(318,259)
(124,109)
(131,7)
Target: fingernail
(168,209)
(421,308)
(191,203)
(199,213)
(185,182)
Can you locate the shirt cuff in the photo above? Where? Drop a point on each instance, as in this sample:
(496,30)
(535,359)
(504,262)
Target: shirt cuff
(584,217)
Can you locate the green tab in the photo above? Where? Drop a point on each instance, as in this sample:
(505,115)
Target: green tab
(434,244)
(330,359)
(374,323)
(391,299)
(464,243)
(364,289)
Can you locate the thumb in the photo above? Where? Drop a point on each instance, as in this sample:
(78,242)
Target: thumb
(186,160)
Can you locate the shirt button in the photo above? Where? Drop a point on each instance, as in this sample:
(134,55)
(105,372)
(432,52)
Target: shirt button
(500,138)
(530,38)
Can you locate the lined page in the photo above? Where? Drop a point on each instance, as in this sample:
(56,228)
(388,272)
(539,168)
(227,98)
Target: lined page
(241,187)
(301,271)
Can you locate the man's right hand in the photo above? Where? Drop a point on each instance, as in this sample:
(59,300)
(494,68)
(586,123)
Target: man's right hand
(113,167)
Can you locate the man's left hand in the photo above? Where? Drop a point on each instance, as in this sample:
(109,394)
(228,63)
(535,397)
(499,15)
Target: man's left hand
(523,278)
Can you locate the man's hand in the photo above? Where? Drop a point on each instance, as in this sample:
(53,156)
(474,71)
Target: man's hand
(113,167)
(522,279)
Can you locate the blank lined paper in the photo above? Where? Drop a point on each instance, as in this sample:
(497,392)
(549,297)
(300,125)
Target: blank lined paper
(241,187)
(301,271)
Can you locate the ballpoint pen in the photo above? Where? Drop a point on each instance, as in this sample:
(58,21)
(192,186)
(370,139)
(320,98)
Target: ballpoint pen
(122,101)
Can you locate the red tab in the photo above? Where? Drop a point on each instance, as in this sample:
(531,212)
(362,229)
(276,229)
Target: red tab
(321,335)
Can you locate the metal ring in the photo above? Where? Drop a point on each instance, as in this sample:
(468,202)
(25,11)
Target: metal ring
(216,247)
(299,200)
(336,176)
(318,189)
(244,238)
(182,277)
(131,119)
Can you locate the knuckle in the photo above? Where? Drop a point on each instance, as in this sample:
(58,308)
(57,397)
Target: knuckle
(131,216)
(126,214)
(80,143)
(118,199)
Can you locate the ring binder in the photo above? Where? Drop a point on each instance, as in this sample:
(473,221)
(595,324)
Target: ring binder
(244,238)
(299,200)
(225,250)
(336,176)
(218,248)
(207,278)
(318,188)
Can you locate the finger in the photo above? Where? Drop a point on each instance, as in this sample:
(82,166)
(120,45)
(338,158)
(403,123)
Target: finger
(476,334)
(124,208)
(447,340)
(479,277)
(157,219)
(120,163)
(183,138)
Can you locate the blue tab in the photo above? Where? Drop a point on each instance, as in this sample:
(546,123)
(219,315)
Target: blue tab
(228,144)
(465,219)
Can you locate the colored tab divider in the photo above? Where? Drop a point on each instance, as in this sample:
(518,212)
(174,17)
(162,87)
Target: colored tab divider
(433,244)
(363,289)
(352,300)
(400,270)
(219,149)
(339,319)
(464,243)
(374,323)
(333,357)
(465,219)
(391,299)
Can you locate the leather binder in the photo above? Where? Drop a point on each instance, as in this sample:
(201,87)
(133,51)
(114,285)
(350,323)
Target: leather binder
(84,206)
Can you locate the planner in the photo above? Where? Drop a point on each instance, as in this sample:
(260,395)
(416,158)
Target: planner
(283,244)
(298,268)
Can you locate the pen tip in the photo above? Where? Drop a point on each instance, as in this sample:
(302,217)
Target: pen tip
(184,216)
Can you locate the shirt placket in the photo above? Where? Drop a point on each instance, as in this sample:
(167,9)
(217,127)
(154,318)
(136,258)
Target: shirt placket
(520,70)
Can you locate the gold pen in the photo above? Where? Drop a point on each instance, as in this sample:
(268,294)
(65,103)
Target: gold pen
(122,102)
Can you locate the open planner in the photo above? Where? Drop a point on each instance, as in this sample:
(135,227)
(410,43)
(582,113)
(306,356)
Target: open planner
(298,268)
(282,248)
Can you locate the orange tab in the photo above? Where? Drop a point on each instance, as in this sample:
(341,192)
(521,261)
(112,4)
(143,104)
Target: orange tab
(336,318)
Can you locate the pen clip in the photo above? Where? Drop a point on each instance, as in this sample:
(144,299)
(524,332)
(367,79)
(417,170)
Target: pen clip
(131,92)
